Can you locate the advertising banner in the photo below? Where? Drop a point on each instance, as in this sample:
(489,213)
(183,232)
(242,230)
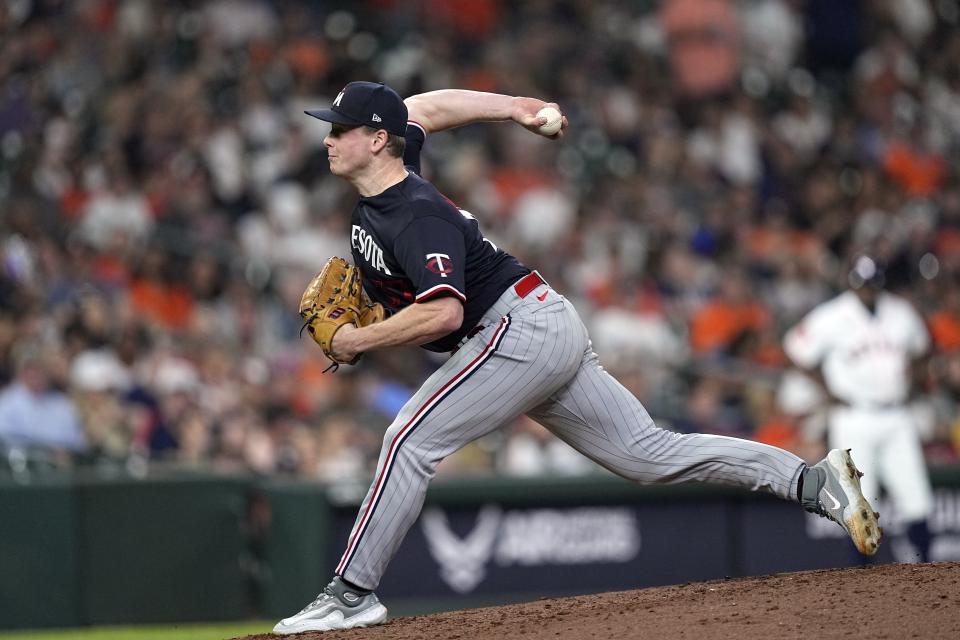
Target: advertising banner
(492,549)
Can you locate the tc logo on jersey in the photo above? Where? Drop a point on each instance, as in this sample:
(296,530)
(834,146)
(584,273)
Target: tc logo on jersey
(439,263)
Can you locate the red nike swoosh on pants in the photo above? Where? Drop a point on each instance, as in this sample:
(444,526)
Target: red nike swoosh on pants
(542,296)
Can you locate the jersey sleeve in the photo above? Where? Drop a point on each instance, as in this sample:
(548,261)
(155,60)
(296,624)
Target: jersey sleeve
(807,343)
(432,253)
(415,137)
(918,338)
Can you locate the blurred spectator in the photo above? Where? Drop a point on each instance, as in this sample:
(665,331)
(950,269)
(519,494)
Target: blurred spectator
(34,410)
(97,380)
(716,406)
(531,451)
(116,217)
(798,415)
(729,317)
(917,170)
(157,294)
(727,143)
(344,450)
(772,33)
(945,322)
(703,41)
(797,290)
(631,337)
(806,125)
(944,444)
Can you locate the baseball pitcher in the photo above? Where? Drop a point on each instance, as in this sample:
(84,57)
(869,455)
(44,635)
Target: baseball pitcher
(517,347)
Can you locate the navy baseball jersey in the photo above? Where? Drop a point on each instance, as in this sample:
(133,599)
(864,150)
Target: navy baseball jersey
(413,244)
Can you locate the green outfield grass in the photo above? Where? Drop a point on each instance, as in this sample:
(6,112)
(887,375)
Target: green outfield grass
(152,632)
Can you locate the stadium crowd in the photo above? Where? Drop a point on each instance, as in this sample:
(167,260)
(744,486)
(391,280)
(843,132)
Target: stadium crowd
(164,201)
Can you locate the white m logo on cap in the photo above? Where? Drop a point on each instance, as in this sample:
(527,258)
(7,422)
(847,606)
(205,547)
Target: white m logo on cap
(336,102)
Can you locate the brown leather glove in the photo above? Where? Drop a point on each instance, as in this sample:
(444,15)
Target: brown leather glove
(333,298)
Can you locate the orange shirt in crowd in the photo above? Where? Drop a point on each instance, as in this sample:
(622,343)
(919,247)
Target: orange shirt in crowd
(778,432)
(917,173)
(717,324)
(947,242)
(512,182)
(169,306)
(945,329)
(769,243)
(309,58)
(73,199)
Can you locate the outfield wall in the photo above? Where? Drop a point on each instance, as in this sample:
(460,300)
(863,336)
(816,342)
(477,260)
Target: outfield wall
(78,552)
(81,551)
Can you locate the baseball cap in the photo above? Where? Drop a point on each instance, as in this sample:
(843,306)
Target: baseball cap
(373,104)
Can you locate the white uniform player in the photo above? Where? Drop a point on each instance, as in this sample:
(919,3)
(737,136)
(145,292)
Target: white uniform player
(862,346)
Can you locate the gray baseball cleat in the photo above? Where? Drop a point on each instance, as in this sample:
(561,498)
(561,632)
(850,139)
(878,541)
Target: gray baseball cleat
(831,489)
(337,607)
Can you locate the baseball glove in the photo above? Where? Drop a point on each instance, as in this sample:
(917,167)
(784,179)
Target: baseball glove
(333,298)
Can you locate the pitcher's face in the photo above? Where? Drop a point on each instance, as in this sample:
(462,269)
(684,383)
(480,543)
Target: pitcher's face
(349,149)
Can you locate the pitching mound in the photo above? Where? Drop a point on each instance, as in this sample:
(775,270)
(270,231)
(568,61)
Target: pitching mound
(886,601)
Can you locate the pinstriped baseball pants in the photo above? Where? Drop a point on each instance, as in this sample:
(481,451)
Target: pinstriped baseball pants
(534,356)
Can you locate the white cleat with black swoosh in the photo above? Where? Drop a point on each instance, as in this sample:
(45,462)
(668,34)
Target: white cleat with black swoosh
(832,489)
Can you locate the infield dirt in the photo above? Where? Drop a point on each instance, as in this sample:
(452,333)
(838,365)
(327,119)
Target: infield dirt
(886,601)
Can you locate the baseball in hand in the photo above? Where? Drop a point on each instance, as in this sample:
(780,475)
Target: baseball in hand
(554,120)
